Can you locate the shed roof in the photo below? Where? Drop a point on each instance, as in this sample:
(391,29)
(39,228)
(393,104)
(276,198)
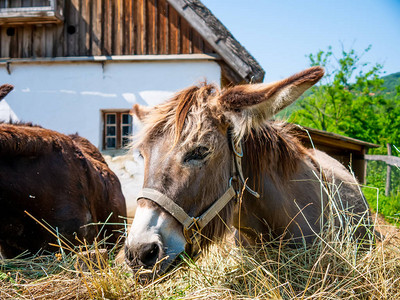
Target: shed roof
(334,140)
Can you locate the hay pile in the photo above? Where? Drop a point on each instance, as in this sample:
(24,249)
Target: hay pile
(331,268)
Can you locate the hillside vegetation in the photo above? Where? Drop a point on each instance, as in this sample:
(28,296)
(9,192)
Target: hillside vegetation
(390,82)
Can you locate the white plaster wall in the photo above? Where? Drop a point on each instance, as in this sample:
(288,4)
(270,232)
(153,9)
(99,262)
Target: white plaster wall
(68,97)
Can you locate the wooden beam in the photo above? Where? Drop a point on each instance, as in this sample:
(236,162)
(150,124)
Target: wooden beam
(186,45)
(390,160)
(38,41)
(96,28)
(334,143)
(117,28)
(119,58)
(140,29)
(72,9)
(174,31)
(84,28)
(59,37)
(108,8)
(151,26)
(162,30)
(49,40)
(128,29)
(197,43)
(388,172)
(26,41)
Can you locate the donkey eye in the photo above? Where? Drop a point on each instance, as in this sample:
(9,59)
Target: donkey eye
(196,154)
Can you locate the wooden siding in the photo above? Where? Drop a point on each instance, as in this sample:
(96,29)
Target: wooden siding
(105,27)
(24,12)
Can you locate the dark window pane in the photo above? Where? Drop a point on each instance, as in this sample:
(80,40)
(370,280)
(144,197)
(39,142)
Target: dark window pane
(25,3)
(126,119)
(126,130)
(111,119)
(111,143)
(125,141)
(110,130)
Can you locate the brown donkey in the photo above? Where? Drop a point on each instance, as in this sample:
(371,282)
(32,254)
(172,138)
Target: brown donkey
(203,146)
(59,180)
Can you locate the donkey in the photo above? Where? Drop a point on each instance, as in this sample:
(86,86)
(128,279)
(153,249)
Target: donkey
(204,146)
(60,179)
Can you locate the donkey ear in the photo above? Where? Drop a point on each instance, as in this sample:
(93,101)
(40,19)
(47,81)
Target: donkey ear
(249,106)
(140,111)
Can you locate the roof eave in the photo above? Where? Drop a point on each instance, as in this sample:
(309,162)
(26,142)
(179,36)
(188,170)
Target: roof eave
(339,137)
(233,54)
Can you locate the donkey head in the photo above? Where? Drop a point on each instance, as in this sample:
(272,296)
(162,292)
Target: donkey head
(188,159)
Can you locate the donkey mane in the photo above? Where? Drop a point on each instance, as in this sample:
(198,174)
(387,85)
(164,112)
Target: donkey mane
(25,139)
(88,150)
(274,149)
(193,96)
(171,116)
(28,140)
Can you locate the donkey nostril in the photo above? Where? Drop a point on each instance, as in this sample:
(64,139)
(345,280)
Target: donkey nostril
(149,254)
(128,255)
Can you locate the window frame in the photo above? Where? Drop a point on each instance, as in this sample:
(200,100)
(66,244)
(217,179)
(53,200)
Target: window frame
(119,134)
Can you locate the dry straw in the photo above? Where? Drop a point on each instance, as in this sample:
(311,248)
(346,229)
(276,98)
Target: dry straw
(333,267)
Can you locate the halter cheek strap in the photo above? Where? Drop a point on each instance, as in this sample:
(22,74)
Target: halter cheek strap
(237,156)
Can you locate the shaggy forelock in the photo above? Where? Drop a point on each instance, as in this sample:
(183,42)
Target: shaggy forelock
(187,117)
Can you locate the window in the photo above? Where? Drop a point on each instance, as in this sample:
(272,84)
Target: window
(117,129)
(14,12)
(19,4)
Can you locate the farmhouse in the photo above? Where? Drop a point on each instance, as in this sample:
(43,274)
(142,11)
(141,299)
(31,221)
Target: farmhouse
(79,66)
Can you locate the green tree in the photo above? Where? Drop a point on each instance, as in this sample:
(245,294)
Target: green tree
(389,122)
(349,100)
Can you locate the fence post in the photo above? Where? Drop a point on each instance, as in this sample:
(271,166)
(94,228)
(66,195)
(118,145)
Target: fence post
(388,171)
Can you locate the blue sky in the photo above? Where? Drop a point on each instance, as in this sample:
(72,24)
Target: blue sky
(280,33)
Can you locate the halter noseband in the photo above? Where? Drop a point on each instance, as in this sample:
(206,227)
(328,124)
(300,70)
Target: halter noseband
(192,226)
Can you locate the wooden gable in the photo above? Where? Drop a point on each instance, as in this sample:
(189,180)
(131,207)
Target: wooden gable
(21,12)
(108,27)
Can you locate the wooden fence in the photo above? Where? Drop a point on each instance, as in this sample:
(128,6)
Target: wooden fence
(390,160)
